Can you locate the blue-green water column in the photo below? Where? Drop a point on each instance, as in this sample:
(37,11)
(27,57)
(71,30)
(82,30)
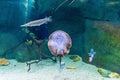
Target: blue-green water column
(13,13)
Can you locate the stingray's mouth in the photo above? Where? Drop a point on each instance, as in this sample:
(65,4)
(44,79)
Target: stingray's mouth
(60,52)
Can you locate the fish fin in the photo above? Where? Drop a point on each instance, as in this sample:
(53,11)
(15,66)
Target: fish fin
(50,18)
(46,22)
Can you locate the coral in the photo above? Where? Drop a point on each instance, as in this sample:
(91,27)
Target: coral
(75,58)
(4,62)
(6,42)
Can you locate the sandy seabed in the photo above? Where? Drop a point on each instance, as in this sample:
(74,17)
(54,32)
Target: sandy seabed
(47,70)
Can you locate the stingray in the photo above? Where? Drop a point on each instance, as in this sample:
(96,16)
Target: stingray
(59,44)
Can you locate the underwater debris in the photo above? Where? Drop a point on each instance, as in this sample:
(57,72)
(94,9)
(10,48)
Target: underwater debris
(4,62)
(71,67)
(59,44)
(75,58)
(31,62)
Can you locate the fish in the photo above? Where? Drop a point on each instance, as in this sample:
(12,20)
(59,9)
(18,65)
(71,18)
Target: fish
(59,44)
(91,55)
(37,22)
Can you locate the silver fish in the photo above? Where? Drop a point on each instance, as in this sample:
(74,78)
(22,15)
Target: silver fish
(37,22)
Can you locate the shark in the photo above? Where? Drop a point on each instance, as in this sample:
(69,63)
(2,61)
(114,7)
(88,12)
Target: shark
(37,22)
(59,44)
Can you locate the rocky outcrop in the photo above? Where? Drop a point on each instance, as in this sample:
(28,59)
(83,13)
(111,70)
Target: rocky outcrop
(7,41)
(104,37)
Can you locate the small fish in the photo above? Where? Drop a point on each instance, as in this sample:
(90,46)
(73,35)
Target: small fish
(91,55)
(38,22)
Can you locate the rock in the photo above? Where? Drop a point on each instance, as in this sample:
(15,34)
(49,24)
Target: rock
(114,75)
(107,33)
(71,67)
(4,62)
(104,72)
(26,52)
(75,58)
(7,41)
(107,73)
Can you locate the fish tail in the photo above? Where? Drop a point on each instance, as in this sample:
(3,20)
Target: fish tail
(50,18)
